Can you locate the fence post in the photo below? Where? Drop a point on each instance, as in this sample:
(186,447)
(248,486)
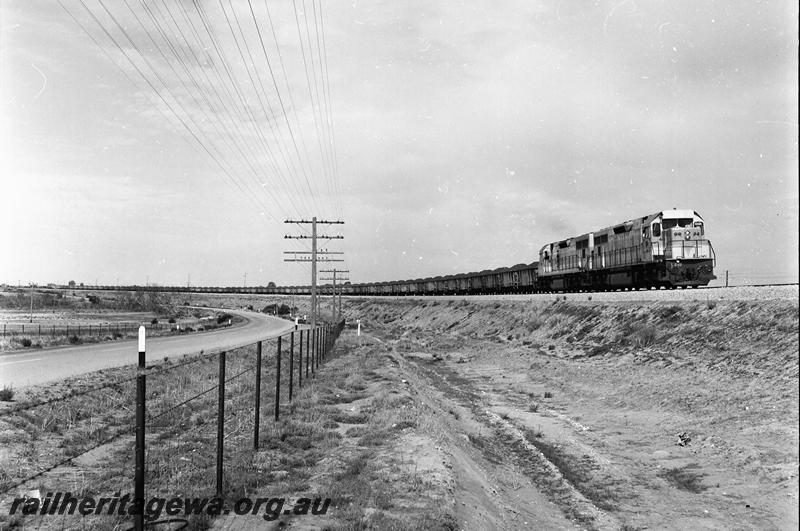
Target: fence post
(257,419)
(141,383)
(278,382)
(316,347)
(311,350)
(308,351)
(220,421)
(300,365)
(291,364)
(40,330)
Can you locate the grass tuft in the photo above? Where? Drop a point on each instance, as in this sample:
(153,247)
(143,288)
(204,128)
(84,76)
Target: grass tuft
(7,393)
(684,478)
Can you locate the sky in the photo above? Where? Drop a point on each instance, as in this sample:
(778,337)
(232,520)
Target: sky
(448,136)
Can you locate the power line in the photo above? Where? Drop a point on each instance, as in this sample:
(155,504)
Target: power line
(280,100)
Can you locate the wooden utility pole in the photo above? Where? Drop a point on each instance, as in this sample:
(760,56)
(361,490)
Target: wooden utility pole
(333,296)
(314,237)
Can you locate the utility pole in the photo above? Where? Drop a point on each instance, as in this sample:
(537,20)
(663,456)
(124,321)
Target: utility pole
(313,259)
(333,297)
(726,278)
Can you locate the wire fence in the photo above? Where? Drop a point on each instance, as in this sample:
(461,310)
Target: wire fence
(167,421)
(99,329)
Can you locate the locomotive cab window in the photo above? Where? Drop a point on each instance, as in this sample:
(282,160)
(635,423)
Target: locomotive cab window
(699,225)
(677,222)
(657,230)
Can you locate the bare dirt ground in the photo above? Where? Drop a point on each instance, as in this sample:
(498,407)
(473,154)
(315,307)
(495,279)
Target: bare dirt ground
(580,406)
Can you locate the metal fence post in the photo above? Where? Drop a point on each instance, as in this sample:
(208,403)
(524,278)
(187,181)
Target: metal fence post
(316,347)
(138,482)
(278,382)
(312,350)
(257,417)
(300,365)
(220,421)
(308,351)
(291,364)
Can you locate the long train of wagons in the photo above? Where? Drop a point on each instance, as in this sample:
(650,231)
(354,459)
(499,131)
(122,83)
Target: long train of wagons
(668,249)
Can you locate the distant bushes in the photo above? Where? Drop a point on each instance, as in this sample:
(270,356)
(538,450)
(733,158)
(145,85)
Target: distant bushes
(223,318)
(277,309)
(25,342)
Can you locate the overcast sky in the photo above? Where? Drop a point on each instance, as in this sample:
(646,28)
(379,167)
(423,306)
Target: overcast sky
(467,134)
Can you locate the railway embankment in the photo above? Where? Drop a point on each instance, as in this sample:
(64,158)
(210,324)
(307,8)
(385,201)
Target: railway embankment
(622,414)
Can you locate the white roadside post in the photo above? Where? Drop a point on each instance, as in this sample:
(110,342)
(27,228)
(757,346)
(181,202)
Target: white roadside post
(359,327)
(140,396)
(296,322)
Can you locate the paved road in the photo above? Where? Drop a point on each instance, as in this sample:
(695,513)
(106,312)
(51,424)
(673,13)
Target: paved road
(34,367)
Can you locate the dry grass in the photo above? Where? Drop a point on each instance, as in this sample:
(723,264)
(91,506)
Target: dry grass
(684,478)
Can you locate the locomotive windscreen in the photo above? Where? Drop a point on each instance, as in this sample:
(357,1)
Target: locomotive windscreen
(679,222)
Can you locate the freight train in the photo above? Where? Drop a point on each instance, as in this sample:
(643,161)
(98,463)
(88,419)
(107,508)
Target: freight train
(668,249)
